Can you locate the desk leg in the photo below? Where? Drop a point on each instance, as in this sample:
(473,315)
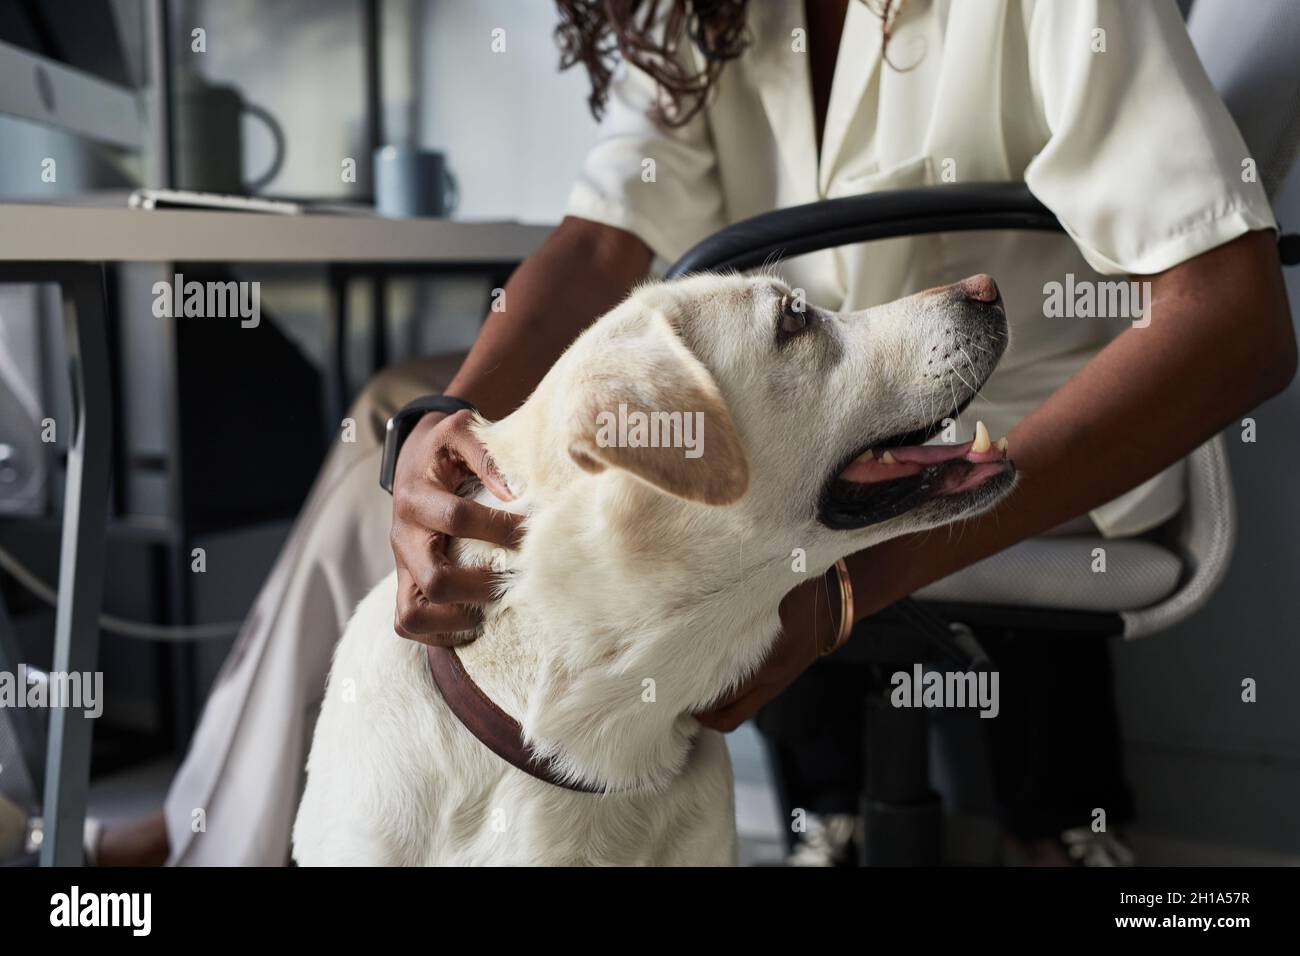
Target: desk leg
(336,357)
(81,563)
(378,323)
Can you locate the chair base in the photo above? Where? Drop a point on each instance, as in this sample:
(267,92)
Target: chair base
(902,817)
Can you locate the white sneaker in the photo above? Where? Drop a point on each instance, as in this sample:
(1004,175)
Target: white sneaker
(1087,848)
(828,841)
(35,835)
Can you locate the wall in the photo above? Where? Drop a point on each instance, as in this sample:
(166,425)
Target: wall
(514,127)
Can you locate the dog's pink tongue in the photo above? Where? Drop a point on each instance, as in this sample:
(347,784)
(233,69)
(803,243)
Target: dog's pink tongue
(928,454)
(912,459)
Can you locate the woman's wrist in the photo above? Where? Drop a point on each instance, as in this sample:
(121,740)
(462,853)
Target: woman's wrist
(878,577)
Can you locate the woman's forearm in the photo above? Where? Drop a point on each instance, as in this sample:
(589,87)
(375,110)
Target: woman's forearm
(1220,342)
(581,271)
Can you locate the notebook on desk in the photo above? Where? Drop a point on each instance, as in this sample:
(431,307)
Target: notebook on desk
(190,199)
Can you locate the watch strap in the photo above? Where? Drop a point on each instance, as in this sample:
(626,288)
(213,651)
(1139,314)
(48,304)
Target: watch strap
(403,423)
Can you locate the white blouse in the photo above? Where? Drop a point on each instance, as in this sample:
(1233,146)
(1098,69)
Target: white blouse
(1100,106)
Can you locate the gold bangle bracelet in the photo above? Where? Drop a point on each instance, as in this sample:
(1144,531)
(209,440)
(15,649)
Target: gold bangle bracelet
(846,608)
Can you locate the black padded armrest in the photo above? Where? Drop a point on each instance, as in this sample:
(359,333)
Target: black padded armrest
(797,230)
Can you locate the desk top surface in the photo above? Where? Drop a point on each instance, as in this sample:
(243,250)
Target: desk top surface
(40,233)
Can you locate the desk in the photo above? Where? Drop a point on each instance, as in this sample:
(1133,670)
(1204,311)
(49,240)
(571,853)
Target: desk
(72,246)
(35,233)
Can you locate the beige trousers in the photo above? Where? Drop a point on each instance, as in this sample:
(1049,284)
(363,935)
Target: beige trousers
(234,798)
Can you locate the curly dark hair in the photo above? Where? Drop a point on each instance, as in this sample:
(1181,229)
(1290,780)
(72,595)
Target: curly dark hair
(596,33)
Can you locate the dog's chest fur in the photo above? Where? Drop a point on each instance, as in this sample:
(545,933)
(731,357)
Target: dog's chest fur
(401,781)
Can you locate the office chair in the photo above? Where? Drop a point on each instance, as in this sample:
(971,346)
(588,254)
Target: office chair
(1152,583)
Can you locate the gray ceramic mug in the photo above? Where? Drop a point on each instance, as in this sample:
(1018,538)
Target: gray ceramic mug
(209,141)
(413,182)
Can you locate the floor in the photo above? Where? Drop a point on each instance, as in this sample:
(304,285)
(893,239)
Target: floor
(970,840)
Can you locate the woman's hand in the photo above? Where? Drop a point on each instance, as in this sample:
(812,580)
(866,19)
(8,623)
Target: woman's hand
(809,622)
(437,599)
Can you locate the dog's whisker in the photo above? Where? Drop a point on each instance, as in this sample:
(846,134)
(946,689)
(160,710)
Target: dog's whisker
(970,362)
(953,369)
(977,393)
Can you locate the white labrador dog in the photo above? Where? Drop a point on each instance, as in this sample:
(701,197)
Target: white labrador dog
(648,582)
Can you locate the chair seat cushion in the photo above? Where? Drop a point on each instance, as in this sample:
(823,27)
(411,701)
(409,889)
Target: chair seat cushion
(1057,572)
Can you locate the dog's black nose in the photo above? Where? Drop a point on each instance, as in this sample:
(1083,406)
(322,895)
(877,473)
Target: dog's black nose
(979,288)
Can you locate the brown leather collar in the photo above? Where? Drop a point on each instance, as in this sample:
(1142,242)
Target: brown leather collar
(496,729)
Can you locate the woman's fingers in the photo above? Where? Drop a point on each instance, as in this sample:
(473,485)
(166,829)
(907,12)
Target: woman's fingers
(434,509)
(438,601)
(443,625)
(464,445)
(727,718)
(441,581)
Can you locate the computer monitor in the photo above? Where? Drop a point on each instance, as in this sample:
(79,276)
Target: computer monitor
(63,64)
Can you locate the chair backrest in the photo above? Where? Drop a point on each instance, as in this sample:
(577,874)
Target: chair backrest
(795,230)
(1251,51)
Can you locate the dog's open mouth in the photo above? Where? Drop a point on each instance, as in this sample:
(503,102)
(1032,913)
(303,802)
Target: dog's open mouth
(900,473)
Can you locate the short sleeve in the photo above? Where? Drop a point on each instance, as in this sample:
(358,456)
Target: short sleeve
(658,183)
(1143,164)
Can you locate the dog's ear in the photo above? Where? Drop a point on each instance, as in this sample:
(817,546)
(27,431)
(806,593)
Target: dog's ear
(647,405)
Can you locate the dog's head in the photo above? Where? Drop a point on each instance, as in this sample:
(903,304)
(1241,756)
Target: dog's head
(674,460)
(802,425)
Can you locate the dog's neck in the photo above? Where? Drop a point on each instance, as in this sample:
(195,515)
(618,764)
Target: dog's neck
(611,634)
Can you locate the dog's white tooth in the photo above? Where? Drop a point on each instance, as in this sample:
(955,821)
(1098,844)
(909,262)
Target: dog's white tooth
(1002,444)
(867,455)
(887,458)
(982,442)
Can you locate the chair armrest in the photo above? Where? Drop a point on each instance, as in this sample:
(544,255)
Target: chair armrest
(797,230)
(1208,538)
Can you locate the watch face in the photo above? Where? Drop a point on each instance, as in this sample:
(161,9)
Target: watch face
(403,422)
(393,438)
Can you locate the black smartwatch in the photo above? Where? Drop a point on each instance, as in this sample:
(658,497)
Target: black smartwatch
(404,421)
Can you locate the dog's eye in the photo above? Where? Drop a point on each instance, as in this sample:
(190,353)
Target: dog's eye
(793,318)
